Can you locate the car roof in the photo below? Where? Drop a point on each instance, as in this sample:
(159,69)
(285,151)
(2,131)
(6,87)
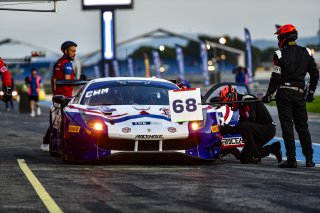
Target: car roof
(130,79)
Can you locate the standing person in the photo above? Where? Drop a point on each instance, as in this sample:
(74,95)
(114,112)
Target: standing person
(255,126)
(63,70)
(6,82)
(34,83)
(241,75)
(291,64)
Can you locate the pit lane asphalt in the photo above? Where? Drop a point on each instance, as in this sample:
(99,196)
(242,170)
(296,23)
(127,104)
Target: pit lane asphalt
(222,186)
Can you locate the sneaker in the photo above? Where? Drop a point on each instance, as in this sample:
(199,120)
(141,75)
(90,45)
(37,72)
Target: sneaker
(288,164)
(33,114)
(44,147)
(38,111)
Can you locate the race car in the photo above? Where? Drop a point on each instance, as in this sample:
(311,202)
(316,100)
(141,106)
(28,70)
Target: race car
(125,116)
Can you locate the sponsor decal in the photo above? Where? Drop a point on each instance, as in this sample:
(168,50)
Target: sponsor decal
(126,129)
(172,129)
(232,141)
(96,92)
(149,137)
(141,123)
(165,111)
(215,128)
(142,108)
(73,128)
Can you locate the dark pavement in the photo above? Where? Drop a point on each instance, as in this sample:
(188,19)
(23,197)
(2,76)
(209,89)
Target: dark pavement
(222,186)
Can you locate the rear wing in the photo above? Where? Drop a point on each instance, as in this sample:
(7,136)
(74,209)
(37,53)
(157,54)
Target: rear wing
(71,82)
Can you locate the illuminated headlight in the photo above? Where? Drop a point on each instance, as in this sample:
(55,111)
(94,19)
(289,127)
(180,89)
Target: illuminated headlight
(195,125)
(1,93)
(98,126)
(92,122)
(14,93)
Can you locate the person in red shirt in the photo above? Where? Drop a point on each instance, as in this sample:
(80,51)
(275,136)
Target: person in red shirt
(63,70)
(6,81)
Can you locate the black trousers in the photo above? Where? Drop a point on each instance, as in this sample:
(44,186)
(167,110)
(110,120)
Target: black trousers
(292,110)
(255,136)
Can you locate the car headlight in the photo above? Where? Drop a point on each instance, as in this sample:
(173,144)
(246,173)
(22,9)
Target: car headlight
(93,122)
(98,126)
(14,93)
(195,125)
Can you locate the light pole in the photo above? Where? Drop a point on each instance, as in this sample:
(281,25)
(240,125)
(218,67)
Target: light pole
(223,41)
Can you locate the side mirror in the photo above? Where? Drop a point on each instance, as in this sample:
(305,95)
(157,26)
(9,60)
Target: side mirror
(214,99)
(60,99)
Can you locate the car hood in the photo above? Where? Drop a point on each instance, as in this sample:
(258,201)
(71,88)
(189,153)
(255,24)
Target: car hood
(139,122)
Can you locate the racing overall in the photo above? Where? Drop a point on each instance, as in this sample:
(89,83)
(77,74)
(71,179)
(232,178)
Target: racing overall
(256,128)
(291,64)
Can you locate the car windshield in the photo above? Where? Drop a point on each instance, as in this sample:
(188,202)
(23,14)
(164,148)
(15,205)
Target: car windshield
(214,96)
(127,94)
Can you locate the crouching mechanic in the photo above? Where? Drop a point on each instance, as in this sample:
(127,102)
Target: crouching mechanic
(6,82)
(255,126)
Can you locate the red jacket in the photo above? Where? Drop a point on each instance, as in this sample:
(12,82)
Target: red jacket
(6,76)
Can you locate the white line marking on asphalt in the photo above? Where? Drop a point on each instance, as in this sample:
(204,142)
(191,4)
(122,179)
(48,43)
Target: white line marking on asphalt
(41,191)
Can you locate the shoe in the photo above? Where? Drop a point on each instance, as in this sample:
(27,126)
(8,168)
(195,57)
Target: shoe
(44,147)
(275,149)
(32,114)
(288,164)
(310,163)
(38,111)
(251,160)
(236,153)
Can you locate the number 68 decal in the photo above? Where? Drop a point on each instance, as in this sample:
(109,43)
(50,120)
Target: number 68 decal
(185,105)
(190,105)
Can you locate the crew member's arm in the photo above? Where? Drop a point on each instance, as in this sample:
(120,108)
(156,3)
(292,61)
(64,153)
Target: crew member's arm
(6,82)
(276,74)
(53,84)
(275,77)
(6,76)
(314,77)
(67,70)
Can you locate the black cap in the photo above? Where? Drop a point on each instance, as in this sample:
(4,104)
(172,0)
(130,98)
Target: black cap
(67,44)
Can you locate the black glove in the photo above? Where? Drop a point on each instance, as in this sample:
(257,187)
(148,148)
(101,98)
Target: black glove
(310,96)
(6,94)
(226,129)
(83,77)
(267,98)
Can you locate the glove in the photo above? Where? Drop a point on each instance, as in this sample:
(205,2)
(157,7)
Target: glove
(6,94)
(83,77)
(267,98)
(226,129)
(310,96)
